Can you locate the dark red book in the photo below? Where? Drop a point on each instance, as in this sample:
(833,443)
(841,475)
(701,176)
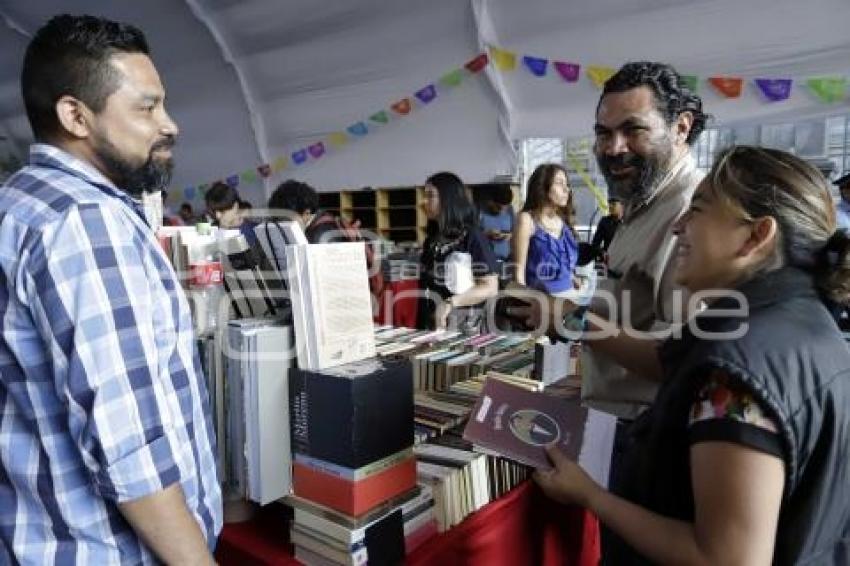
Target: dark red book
(518,424)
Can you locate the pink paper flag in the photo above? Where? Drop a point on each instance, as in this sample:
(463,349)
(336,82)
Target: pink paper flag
(568,71)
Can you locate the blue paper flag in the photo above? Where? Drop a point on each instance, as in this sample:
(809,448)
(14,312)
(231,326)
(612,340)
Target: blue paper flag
(536,65)
(427,94)
(233,181)
(775,90)
(299,156)
(358,129)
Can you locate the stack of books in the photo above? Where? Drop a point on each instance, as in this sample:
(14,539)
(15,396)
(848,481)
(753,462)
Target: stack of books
(246,373)
(442,358)
(322,535)
(352,441)
(462,479)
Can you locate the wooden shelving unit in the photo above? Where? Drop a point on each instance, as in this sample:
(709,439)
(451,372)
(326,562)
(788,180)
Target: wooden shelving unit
(392,213)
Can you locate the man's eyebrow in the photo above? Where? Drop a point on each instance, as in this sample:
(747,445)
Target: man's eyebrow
(152,98)
(631,121)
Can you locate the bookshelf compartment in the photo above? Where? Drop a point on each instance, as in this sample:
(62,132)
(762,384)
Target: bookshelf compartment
(363,199)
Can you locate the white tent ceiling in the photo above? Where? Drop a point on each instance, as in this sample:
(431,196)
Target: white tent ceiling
(251,80)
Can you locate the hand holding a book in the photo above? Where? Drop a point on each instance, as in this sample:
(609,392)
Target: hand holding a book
(566,482)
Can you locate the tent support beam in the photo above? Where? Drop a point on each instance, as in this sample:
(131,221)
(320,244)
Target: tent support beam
(486,35)
(257,127)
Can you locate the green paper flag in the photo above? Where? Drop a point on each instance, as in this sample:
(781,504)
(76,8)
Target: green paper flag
(828,89)
(692,81)
(381,117)
(249,176)
(452,78)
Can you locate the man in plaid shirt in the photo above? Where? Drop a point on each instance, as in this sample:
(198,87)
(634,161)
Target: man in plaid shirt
(106,444)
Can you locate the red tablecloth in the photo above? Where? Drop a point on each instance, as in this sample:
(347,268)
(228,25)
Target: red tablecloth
(398,303)
(522,527)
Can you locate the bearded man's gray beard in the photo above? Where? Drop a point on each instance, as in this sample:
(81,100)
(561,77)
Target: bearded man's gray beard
(650,171)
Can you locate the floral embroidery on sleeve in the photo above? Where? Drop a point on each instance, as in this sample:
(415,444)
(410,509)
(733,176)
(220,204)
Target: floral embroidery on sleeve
(725,398)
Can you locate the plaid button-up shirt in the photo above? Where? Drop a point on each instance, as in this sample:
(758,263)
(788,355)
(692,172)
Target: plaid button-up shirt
(101,394)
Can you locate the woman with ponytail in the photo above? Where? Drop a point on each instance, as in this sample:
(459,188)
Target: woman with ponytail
(743,458)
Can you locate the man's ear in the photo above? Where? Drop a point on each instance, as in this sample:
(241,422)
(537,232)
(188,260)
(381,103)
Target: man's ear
(73,116)
(762,237)
(683,126)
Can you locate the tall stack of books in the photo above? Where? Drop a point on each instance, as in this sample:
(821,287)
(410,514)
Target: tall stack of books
(352,440)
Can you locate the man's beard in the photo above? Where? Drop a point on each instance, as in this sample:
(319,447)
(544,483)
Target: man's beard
(153,175)
(638,187)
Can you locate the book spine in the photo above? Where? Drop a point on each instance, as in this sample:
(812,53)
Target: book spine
(299,407)
(353,474)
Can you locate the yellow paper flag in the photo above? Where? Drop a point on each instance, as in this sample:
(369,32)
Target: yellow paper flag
(504,60)
(279,164)
(337,139)
(598,75)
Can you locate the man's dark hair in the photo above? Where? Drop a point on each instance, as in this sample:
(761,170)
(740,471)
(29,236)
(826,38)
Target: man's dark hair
(457,215)
(221,196)
(503,194)
(296,196)
(671,92)
(70,55)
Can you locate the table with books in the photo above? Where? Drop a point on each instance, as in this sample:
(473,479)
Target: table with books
(521,527)
(384,471)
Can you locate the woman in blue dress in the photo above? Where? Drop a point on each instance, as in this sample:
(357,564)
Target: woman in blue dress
(545,245)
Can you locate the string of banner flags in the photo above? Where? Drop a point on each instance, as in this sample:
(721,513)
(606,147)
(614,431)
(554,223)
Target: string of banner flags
(827,89)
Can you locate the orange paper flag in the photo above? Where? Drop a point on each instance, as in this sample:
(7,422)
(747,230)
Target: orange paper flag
(730,87)
(402,106)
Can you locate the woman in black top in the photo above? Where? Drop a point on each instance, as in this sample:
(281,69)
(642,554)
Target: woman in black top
(454,229)
(743,457)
